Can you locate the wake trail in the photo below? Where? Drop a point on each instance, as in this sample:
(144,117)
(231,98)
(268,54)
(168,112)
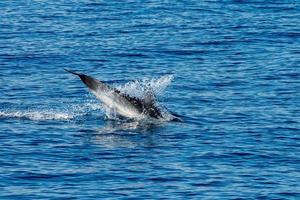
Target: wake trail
(44,114)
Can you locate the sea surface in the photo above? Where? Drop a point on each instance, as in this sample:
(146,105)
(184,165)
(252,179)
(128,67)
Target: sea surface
(231,71)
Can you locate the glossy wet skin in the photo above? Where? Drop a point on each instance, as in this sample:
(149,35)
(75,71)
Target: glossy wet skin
(123,104)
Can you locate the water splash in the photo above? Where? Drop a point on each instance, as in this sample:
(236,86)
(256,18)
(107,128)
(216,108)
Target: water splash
(153,87)
(141,88)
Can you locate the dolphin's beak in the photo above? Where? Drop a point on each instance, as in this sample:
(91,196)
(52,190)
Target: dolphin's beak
(87,80)
(72,72)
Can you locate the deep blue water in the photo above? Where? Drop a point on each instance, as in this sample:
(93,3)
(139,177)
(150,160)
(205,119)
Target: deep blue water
(236,68)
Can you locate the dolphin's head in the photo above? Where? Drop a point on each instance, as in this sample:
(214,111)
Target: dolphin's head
(89,81)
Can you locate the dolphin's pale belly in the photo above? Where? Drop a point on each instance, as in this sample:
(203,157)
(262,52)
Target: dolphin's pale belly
(119,104)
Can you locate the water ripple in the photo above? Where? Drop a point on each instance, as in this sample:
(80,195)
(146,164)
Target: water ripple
(235,83)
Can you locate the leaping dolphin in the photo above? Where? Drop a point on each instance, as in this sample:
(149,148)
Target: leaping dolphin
(123,104)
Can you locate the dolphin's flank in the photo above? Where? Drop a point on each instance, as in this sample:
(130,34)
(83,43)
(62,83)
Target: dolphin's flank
(123,104)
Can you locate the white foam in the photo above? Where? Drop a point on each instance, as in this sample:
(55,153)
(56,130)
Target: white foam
(37,115)
(67,113)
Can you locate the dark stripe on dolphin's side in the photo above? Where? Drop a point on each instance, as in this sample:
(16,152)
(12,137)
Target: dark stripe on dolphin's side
(146,107)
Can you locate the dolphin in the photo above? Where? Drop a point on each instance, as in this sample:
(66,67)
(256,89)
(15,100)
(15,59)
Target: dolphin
(124,105)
